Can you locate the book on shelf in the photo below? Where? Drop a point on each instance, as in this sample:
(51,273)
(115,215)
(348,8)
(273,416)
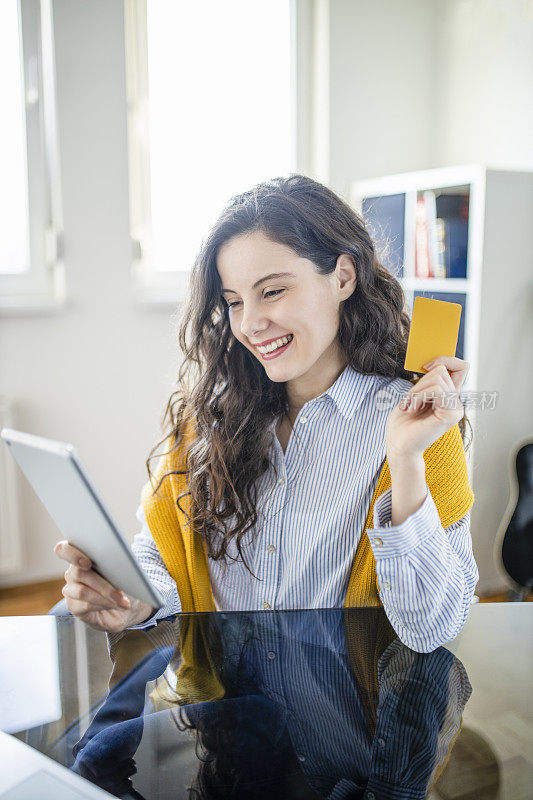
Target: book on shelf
(453,209)
(422,265)
(436,240)
(441,235)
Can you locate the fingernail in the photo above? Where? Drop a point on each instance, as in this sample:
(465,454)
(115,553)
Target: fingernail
(426,366)
(125,600)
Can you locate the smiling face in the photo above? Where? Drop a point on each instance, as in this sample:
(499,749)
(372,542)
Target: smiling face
(301,304)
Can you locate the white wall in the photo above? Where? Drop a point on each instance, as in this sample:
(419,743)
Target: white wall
(419,84)
(413,85)
(485,75)
(381,86)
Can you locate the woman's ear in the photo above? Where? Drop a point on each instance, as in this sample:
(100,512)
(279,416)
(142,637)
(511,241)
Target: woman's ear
(346,271)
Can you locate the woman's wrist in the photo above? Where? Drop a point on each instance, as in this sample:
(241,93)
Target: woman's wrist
(408,486)
(141,612)
(400,462)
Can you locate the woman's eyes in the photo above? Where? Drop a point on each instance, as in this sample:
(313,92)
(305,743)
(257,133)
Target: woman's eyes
(272,292)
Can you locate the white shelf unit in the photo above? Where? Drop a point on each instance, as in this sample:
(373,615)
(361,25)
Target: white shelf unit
(498,322)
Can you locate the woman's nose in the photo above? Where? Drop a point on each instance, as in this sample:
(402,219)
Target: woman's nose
(252,324)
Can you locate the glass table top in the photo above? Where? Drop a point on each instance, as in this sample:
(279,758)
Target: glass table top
(321,703)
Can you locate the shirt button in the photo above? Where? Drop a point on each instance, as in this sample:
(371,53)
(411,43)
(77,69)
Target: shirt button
(281,481)
(386,585)
(301,758)
(378,542)
(303,419)
(381,742)
(271,654)
(266,605)
(271,548)
(370,796)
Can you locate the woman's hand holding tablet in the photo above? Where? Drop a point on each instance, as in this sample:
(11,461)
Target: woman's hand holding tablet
(99,556)
(93,599)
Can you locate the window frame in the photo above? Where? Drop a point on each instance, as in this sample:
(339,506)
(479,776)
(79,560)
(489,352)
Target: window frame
(42,286)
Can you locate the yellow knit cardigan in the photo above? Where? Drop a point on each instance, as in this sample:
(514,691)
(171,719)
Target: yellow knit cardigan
(185,555)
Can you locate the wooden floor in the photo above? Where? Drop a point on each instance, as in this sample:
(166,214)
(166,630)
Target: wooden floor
(38,598)
(31,599)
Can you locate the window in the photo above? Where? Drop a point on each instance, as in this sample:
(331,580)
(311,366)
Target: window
(15,256)
(30,274)
(211,110)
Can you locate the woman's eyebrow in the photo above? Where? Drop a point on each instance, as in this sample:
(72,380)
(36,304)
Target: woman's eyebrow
(266,278)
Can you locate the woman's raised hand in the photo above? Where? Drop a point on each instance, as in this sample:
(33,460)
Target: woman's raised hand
(430,408)
(93,599)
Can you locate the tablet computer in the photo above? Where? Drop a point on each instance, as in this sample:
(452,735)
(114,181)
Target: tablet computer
(63,485)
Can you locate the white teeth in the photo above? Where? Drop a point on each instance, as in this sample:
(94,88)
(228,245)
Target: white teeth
(269,348)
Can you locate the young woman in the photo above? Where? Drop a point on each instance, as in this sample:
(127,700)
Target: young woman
(306,467)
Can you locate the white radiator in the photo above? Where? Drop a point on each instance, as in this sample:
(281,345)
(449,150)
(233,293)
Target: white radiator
(10,518)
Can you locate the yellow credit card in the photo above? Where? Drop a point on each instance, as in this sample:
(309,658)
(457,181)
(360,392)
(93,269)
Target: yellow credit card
(434,332)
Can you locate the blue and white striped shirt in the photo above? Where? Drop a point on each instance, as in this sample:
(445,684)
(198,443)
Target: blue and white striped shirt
(312,507)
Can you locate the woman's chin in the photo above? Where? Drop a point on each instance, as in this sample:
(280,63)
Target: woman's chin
(282,374)
(278,372)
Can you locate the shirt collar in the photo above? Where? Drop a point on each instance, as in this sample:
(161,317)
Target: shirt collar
(349,390)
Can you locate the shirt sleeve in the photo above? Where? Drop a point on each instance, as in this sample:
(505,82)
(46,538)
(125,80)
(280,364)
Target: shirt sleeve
(152,564)
(426,573)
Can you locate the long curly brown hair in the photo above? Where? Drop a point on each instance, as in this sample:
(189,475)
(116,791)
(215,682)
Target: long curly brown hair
(225,393)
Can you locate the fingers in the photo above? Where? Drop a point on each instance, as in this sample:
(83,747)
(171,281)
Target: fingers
(437,379)
(80,607)
(456,369)
(90,600)
(437,373)
(452,362)
(85,591)
(435,393)
(69,553)
(91,587)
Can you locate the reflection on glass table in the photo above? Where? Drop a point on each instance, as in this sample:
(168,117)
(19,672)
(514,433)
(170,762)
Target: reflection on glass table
(293,704)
